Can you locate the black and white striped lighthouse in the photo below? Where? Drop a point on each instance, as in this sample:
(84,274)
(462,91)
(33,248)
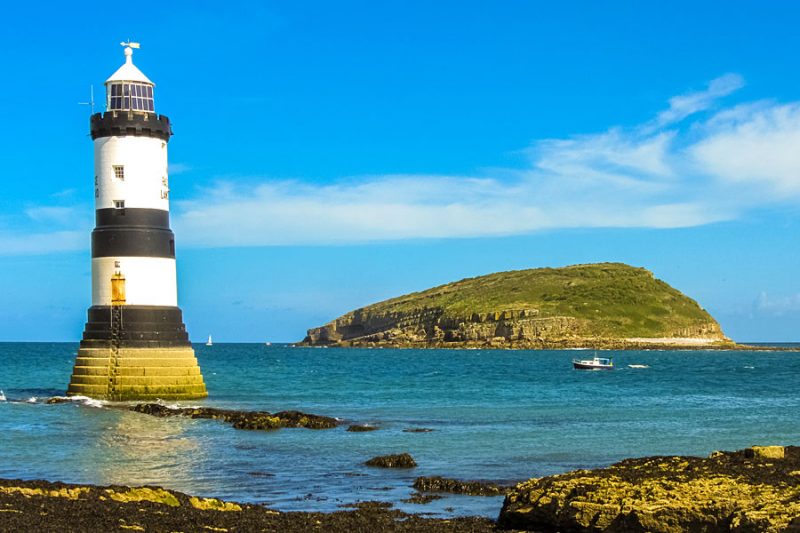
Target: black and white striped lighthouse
(135,345)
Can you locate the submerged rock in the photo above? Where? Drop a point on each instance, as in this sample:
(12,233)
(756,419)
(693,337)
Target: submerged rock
(421,499)
(456,486)
(757,489)
(360,428)
(402,460)
(253,420)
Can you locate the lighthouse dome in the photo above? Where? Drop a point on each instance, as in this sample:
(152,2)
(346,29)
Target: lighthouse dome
(128,88)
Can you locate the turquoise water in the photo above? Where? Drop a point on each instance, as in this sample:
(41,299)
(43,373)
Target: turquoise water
(497,415)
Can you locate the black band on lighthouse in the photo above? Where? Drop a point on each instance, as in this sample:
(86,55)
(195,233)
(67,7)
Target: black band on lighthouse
(143,326)
(132,216)
(120,123)
(132,242)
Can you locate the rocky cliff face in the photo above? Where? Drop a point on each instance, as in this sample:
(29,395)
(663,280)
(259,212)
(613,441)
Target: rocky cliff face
(640,312)
(509,329)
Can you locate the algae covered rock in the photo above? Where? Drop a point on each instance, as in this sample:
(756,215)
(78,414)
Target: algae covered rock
(606,305)
(402,460)
(457,486)
(729,491)
(252,420)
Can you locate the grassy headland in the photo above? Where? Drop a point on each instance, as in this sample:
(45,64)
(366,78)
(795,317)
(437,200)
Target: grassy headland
(595,305)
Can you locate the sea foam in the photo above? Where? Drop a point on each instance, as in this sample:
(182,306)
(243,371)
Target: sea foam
(82,400)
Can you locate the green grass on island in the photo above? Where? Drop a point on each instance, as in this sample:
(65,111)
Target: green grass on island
(611,300)
(557,306)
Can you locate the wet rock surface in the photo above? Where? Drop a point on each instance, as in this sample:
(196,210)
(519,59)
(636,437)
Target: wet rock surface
(402,460)
(46,507)
(457,486)
(253,420)
(421,499)
(361,428)
(757,489)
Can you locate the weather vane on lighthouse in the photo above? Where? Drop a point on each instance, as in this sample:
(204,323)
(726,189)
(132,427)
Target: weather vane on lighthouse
(135,345)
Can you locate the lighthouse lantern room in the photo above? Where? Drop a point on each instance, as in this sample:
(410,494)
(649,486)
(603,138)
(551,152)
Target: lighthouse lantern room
(135,344)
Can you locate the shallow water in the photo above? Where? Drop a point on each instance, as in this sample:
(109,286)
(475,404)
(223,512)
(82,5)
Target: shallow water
(496,415)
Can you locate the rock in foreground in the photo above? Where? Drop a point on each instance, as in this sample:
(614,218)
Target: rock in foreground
(45,507)
(753,490)
(607,305)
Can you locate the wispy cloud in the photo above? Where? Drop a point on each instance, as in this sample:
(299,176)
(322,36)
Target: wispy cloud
(695,163)
(42,243)
(669,171)
(52,214)
(779,306)
(688,104)
(179,168)
(754,145)
(46,229)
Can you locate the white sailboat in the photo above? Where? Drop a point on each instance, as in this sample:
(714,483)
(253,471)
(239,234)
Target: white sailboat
(209,342)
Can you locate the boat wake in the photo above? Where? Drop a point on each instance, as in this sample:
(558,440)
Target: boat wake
(638,366)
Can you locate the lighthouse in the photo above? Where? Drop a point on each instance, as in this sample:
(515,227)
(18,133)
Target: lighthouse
(135,344)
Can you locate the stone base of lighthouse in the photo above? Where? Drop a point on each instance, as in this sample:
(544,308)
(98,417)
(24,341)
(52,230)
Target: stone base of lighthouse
(136,353)
(137,374)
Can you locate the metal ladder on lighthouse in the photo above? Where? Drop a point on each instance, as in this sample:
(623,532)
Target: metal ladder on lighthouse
(116,330)
(116,327)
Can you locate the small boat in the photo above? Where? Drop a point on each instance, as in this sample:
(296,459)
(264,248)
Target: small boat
(596,363)
(267,344)
(209,342)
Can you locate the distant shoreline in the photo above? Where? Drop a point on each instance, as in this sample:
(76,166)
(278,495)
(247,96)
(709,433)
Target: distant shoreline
(597,344)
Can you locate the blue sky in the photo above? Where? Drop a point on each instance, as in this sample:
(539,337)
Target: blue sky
(330,155)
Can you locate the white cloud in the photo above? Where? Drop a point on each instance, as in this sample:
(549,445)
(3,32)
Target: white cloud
(51,214)
(635,177)
(179,168)
(685,105)
(45,229)
(779,306)
(755,145)
(43,243)
(695,163)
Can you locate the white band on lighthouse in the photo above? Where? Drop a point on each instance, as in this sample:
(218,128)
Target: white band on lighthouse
(148,280)
(132,170)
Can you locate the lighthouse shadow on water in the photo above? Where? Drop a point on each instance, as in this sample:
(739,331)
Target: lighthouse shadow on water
(135,344)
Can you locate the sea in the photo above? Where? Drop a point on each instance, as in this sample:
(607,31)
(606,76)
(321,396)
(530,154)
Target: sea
(495,415)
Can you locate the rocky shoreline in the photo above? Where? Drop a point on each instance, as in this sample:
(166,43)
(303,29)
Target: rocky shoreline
(563,344)
(45,506)
(752,490)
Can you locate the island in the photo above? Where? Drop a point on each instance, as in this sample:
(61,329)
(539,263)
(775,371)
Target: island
(596,306)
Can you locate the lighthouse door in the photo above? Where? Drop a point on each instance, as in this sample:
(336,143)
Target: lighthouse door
(117,289)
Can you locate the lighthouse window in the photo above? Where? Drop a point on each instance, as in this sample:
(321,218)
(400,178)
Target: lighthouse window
(119,204)
(135,96)
(119,172)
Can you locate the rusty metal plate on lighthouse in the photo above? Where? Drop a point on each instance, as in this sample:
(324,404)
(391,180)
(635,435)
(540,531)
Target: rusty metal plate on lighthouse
(117,289)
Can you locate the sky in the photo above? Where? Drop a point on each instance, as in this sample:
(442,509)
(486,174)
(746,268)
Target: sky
(329,155)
